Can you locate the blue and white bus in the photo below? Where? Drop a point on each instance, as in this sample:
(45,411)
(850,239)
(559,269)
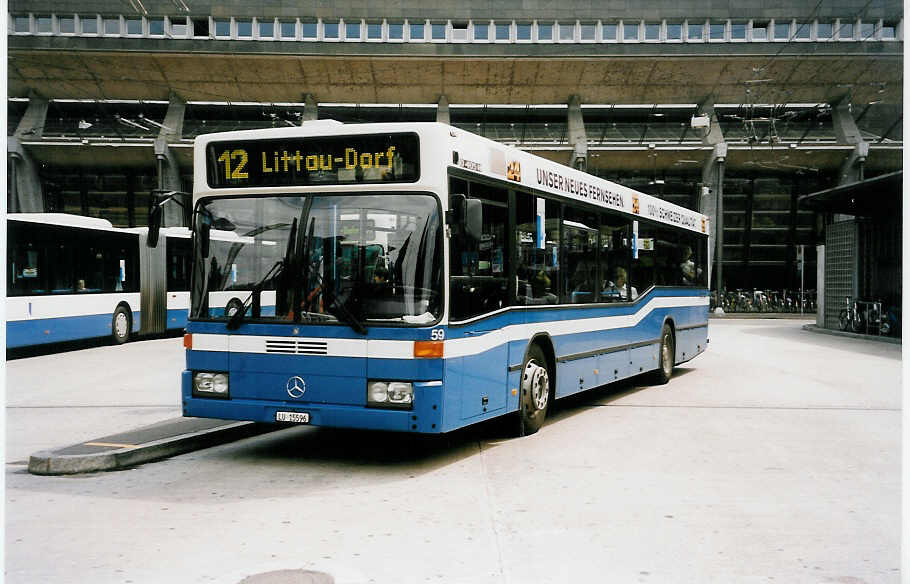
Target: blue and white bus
(71,277)
(423,279)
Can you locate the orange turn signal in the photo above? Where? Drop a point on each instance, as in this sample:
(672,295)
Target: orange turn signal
(188,341)
(428,349)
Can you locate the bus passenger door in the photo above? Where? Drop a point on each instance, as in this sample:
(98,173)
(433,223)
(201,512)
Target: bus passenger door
(481,373)
(479,289)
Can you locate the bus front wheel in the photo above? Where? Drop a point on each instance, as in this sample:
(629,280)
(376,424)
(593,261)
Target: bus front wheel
(121,324)
(535,392)
(666,357)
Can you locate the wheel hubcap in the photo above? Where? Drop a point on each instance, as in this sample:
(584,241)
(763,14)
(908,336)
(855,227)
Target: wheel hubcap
(120,325)
(666,354)
(536,383)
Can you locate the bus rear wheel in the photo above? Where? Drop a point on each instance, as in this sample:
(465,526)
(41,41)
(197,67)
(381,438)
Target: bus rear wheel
(121,325)
(667,356)
(535,392)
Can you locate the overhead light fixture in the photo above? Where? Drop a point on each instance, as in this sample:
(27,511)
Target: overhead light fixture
(702,121)
(154,123)
(83,125)
(130,123)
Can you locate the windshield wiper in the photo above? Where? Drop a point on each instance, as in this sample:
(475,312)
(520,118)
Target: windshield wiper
(341,311)
(350,319)
(235,319)
(345,315)
(281,292)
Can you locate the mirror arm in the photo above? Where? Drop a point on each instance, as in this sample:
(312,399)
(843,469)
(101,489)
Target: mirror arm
(161,197)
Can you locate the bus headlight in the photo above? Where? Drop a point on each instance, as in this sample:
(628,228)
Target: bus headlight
(377,392)
(220,383)
(211,384)
(390,394)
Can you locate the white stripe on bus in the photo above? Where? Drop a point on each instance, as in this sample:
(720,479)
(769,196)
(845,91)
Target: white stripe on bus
(390,349)
(555,328)
(67,305)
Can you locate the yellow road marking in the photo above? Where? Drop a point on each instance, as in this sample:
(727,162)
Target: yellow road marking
(113,444)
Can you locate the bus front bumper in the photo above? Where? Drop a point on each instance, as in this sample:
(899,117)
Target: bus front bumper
(425,417)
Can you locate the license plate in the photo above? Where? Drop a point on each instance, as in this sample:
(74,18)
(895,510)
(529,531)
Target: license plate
(296,417)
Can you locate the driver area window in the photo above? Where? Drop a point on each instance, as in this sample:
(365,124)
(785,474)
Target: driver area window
(479,269)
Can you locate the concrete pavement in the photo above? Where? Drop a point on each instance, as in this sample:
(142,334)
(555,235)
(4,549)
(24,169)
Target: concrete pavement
(773,457)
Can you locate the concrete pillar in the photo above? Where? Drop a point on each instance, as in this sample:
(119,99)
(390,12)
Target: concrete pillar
(853,168)
(712,202)
(820,285)
(578,137)
(173,119)
(310,108)
(713,206)
(32,123)
(847,132)
(442,110)
(168,167)
(26,193)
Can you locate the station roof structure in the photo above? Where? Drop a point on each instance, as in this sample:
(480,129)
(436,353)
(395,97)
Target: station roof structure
(275,71)
(879,196)
(772,99)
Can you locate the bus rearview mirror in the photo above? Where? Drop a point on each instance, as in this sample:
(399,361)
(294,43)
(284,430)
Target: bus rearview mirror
(205,230)
(468,213)
(473,219)
(154,224)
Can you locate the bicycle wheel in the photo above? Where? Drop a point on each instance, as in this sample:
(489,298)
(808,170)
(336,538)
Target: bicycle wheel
(857,324)
(843,320)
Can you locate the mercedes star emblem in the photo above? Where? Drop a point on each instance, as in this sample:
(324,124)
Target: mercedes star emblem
(296,387)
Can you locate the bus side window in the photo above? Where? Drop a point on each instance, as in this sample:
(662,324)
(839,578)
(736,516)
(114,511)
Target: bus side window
(644,267)
(479,269)
(614,258)
(579,246)
(178,256)
(538,250)
(26,261)
(61,256)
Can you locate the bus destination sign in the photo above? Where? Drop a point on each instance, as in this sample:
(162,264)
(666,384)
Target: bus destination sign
(314,161)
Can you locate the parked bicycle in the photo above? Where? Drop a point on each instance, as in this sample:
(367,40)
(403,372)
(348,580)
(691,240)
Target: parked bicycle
(891,322)
(850,318)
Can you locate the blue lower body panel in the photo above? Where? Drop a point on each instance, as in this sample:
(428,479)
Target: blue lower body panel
(176,318)
(479,377)
(23,333)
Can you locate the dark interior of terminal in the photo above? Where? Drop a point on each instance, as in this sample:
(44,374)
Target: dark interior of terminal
(781,121)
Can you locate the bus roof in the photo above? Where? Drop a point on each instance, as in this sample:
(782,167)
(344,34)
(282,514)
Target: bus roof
(63,219)
(451,147)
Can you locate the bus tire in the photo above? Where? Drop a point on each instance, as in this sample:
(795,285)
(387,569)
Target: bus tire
(535,392)
(666,356)
(858,324)
(121,325)
(843,320)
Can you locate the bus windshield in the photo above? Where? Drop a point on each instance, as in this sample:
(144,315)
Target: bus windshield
(350,259)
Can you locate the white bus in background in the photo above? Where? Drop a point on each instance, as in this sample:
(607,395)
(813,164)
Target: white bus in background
(71,277)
